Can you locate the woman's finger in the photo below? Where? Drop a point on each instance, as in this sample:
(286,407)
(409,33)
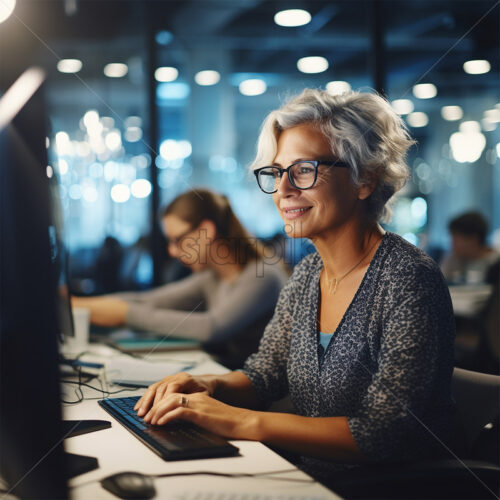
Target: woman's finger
(160,392)
(174,387)
(179,413)
(147,399)
(165,405)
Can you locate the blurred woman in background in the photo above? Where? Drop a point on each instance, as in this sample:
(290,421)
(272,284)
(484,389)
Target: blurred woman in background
(225,303)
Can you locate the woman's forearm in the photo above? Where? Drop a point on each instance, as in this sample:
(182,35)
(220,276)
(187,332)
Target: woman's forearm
(105,310)
(322,437)
(235,388)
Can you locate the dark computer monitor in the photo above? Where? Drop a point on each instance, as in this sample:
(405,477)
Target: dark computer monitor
(60,261)
(31,450)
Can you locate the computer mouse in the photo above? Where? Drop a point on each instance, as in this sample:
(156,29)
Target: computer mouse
(101,350)
(130,485)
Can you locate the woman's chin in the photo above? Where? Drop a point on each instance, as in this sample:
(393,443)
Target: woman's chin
(296,230)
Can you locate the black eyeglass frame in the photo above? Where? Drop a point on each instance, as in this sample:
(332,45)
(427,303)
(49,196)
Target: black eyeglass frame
(178,240)
(315,163)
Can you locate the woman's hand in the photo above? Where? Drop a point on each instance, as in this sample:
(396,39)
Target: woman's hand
(104,311)
(205,411)
(178,383)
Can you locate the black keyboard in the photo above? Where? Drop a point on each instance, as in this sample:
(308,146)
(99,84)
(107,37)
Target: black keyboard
(174,441)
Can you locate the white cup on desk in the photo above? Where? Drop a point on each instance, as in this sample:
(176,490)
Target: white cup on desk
(81,320)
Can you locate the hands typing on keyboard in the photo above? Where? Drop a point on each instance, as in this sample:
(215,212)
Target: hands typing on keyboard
(177,441)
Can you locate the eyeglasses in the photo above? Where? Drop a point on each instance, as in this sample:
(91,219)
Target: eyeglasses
(177,241)
(301,174)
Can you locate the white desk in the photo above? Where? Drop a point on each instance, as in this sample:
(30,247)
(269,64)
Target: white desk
(118,450)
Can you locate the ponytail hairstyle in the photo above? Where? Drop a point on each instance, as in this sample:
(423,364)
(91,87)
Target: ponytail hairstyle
(197,205)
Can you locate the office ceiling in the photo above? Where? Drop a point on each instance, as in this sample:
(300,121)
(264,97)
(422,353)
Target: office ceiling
(429,39)
(419,33)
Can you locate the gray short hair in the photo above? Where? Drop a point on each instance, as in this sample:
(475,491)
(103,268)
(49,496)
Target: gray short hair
(363,130)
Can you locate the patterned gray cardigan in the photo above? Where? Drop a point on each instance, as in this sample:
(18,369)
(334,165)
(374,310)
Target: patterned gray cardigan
(388,366)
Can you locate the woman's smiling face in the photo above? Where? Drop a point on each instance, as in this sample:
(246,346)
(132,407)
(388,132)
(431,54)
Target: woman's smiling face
(333,200)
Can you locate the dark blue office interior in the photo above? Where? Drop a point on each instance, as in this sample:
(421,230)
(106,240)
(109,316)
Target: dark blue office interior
(130,104)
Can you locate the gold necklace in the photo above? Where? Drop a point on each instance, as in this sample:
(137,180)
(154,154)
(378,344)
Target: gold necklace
(334,282)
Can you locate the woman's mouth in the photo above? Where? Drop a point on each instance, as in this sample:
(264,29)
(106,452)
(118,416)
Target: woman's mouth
(294,212)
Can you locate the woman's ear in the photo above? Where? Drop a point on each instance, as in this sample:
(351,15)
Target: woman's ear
(209,227)
(368,186)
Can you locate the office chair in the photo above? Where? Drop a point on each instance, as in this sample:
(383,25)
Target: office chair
(474,474)
(485,357)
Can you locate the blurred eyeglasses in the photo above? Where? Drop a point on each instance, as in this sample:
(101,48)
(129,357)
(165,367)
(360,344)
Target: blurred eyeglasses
(177,241)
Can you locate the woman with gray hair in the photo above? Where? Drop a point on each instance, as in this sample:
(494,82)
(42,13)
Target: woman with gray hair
(362,335)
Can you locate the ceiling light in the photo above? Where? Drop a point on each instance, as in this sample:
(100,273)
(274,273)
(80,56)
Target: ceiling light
(312,64)
(253,86)
(107,122)
(166,74)
(115,70)
(493,115)
(91,118)
(141,188)
(6,9)
(292,17)
(468,144)
(488,125)
(113,140)
(69,65)
(338,87)
(417,119)
(424,90)
(477,67)
(133,134)
(452,113)
(469,127)
(133,121)
(120,193)
(207,77)
(402,106)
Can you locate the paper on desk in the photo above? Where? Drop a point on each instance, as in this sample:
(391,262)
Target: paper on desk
(139,372)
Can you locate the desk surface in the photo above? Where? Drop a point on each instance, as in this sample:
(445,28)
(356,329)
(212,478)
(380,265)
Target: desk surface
(118,450)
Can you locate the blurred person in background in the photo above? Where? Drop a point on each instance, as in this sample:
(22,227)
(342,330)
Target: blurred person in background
(470,256)
(362,335)
(228,299)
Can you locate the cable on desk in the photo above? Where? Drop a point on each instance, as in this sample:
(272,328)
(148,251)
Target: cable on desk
(239,474)
(265,475)
(80,383)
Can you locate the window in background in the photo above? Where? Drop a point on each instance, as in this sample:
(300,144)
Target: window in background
(100,153)
(443,78)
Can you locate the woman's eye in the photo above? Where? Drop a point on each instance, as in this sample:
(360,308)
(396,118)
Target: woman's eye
(305,170)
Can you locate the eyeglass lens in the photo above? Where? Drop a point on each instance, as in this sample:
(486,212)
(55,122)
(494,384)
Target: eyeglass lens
(301,175)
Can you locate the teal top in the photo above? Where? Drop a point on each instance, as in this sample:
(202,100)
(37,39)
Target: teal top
(324,340)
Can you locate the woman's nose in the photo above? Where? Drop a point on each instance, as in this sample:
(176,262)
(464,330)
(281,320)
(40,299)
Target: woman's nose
(284,186)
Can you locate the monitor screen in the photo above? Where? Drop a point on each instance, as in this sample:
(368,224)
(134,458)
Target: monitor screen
(31,451)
